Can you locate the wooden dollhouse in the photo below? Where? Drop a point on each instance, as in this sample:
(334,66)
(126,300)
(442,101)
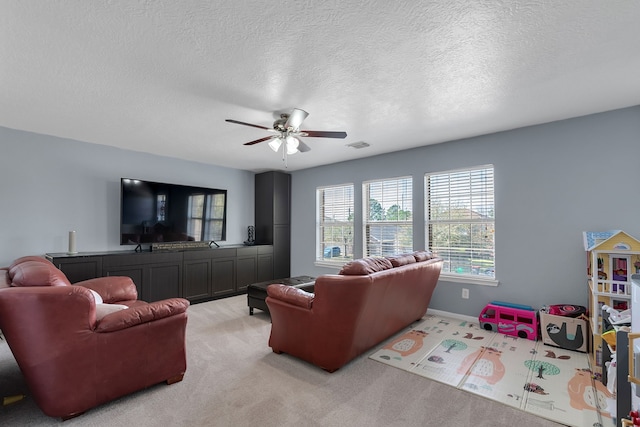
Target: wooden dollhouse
(612,257)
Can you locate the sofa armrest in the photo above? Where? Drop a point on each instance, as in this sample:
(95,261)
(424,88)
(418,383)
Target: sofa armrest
(140,314)
(112,288)
(291,295)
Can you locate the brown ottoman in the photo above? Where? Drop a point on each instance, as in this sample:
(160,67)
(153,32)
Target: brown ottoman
(257,292)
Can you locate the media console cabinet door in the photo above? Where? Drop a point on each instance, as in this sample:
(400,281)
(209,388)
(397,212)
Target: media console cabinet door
(246,267)
(224,276)
(135,272)
(197,279)
(265,267)
(79,268)
(163,281)
(281,255)
(156,275)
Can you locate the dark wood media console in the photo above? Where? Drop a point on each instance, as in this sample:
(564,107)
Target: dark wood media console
(197,275)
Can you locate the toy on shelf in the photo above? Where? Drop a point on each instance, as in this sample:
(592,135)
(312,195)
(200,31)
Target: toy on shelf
(618,317)
(510,319)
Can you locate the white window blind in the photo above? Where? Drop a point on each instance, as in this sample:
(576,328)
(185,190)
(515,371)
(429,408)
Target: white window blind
(334,224)
(388,220)
(461,220)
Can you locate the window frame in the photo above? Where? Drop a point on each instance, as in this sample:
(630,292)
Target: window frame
(487,200)
(367,222)
(344,206)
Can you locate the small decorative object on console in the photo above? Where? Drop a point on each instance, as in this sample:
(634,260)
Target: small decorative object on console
(251,240)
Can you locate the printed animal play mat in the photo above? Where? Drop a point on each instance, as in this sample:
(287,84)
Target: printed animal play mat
(549,382)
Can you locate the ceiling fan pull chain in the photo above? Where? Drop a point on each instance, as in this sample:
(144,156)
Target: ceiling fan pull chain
(284,154)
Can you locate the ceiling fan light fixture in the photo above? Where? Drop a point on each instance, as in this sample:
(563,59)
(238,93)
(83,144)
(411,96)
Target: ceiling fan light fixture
(287,130)
(295,119)
(292,144)
(275,144)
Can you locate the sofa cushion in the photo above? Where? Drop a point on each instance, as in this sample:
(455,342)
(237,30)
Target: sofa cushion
(364,266)
(35,273)
(104,309)
(400,260)
(422,255)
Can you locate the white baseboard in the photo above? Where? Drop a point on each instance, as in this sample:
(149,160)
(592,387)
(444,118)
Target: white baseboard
(454,315)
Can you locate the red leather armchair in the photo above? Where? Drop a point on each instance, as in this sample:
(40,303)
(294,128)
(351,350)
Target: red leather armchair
(77,353)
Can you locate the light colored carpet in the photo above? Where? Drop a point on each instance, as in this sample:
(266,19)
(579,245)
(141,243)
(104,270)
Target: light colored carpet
(550,382)
(234,379)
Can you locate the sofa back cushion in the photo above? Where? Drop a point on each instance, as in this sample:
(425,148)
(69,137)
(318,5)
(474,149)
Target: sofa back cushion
(36,273)
(28,258)
(400,260)
(364,266)
(422,255)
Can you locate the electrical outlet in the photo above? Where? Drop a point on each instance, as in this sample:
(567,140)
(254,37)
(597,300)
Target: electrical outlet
(465,293)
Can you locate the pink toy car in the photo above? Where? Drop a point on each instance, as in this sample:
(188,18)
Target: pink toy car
(510,319)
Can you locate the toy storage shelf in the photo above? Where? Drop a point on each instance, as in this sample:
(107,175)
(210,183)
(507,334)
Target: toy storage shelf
(623,387)
(610,264)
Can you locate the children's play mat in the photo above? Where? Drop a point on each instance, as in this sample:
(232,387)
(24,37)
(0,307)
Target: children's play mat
(549,382)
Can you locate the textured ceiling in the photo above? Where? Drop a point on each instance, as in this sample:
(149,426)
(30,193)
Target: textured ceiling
(162,76)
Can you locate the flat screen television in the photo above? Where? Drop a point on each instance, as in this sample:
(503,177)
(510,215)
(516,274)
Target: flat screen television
(153,212)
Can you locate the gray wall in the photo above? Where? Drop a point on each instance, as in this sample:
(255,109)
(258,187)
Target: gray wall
(49,186)
(552,182)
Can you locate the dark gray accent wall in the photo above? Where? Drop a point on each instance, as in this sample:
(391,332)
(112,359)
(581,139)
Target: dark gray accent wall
(552,182)
(50,185)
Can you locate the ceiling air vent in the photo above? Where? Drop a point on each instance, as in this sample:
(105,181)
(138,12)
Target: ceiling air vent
(358,145)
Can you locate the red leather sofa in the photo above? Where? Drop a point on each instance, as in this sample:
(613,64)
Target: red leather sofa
(367,302)
(77,352)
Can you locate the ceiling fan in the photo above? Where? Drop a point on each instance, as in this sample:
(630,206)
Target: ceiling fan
(287,133)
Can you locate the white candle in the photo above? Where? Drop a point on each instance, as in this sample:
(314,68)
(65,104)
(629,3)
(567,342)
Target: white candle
(72,242)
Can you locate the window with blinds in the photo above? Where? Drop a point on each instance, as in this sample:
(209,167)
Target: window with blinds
(460,223)
(387,219)
(334,224)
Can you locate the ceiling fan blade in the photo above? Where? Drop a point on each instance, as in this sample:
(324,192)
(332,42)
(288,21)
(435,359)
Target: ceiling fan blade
(324,134)
(246,124)
(302,147)
(296,118)
(259,140)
